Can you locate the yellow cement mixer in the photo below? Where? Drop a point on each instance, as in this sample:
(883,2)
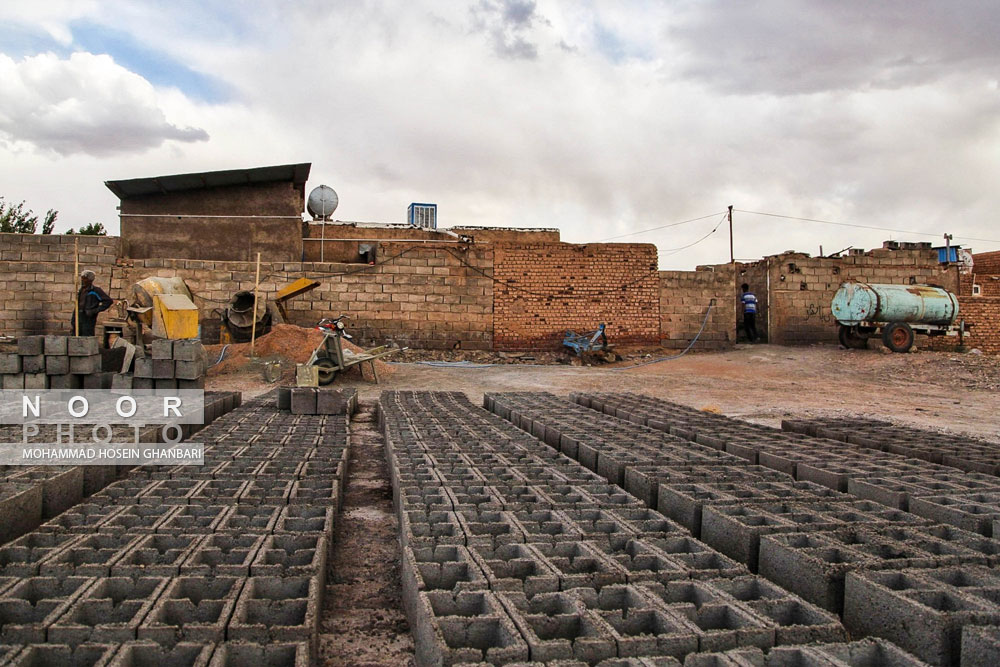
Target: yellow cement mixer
(165,306)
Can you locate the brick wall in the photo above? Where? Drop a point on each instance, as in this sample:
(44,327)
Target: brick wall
(543,289)
(37,282)
(684,300)
(802,288)
(986,262)
(424,297)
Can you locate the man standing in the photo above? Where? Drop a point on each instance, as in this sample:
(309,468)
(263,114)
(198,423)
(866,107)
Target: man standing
(91,300)
(749,313)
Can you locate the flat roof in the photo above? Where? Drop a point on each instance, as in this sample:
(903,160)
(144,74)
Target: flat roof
(139,187)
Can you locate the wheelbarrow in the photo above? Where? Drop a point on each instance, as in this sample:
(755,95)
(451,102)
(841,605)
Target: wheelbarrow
(330,357)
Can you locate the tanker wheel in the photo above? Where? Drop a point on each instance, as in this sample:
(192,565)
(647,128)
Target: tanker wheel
(327,370)
(851,339)
(898,337)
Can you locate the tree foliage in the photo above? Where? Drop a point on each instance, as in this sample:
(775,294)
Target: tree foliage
(93,229)
(16,219)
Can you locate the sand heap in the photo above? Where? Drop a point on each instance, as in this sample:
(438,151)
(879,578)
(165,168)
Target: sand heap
(286,342)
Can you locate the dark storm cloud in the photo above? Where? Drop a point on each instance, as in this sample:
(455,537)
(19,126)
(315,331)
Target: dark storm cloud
(789,47)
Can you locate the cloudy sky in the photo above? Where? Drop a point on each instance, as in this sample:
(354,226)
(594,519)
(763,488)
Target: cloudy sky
(600,118)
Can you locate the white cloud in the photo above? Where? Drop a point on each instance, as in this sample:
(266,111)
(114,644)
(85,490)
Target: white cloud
(83,104)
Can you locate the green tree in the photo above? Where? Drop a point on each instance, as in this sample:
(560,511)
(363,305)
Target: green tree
(18,220)
(93,229)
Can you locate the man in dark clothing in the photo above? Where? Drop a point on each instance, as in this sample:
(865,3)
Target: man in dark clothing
(749,301)
(91,300)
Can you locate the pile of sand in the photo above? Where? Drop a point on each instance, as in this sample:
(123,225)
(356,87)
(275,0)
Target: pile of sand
(287,343)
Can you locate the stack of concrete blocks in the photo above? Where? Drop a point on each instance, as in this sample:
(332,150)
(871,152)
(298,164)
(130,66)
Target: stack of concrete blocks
(317,400)
(221,564)
(172,364)
(54,362)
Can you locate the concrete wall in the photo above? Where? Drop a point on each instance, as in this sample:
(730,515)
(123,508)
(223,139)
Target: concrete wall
(684,300)
(544,289)
(802,288)
(150,225)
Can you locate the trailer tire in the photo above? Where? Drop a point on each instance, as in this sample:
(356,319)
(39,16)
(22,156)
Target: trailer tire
(851,339)
(898,337)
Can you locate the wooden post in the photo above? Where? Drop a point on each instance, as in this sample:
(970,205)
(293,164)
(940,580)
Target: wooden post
(253,325)
(76,284)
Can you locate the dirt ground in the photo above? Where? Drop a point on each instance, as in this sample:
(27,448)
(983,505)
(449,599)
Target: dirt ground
(949,392)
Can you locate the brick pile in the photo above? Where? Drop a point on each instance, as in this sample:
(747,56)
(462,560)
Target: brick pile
(172,364)
(53,362)
(543,290)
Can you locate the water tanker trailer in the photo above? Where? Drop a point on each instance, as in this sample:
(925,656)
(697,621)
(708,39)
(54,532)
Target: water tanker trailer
(896,312)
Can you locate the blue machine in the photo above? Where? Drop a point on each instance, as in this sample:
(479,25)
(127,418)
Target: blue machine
(588,343)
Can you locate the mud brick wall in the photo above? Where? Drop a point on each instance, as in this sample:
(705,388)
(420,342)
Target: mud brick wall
(37,282)
(684,300)
(544,289)
(802,288)
(423,297)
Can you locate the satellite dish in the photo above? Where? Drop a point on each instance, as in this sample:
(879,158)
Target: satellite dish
(322,202)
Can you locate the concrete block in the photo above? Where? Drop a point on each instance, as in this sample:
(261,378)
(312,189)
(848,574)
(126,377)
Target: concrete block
(30,345)
(192,609)
(85,365)
(290,554)
(165,384)
(278,609)
(303,401)
(980,645)
(33,363)
(163,369)
(447,567)
(737,657)
(974,512)
(36,381)
(10,363)
(54,345)
(336,401)
(189,370)
(21,505)
(110,611)
(90,555)
(156,555)
(151,654)
(62,487)
(64,654)
(68,381)
(247,518)
(162,348)
(15,381)
(21,558)
(274,654)
(514,567)
(143,367)
(285,398)
(98,380)
(82,346)
(922,612)
(57,365)
(193,519)
(31,606)
(189,350)
(862,652)
(223,554)
(141,382)
(121,381)
(192,384)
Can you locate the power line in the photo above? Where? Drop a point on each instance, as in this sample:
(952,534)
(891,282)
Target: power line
(653,229)
(848,224)
(672,251)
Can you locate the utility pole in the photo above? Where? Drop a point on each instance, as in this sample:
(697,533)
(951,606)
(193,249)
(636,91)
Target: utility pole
(732,257)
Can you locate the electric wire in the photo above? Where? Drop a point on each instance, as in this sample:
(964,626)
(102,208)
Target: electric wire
(653,229)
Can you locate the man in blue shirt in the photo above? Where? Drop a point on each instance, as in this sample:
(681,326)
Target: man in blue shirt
(749,313)
(91,300)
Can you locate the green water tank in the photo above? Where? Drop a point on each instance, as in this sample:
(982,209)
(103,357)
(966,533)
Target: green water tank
(856,303)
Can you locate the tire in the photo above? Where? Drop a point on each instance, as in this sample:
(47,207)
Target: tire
(851,339)
(898,337)
(327,370)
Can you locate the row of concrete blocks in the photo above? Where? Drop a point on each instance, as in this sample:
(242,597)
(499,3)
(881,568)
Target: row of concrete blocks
(816,565)
(134,529)
(318,401)
(151,654)
(970,454)
(120,554)
(967,500)
(33,495)
(75,610)
(531,570)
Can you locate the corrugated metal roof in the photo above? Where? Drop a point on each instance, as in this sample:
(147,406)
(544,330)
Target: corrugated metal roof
(138,187)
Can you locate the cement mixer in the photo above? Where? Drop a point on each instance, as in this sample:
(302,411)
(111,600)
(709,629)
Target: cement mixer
(165,307)
(896,312)
(238,316)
